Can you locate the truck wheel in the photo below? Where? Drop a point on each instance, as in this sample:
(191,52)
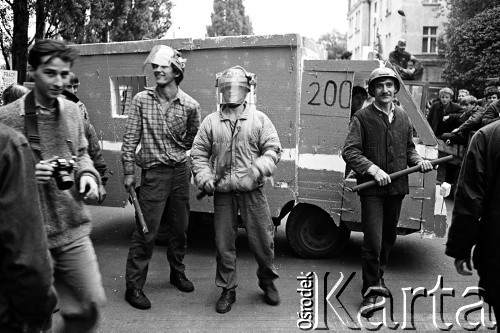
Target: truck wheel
(312,233)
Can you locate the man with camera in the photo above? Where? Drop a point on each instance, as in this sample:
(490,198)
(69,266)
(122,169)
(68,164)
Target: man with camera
(66,177)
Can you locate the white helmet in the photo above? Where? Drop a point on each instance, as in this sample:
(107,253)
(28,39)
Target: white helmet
(164,55)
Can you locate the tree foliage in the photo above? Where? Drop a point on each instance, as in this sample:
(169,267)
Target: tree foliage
(472,45)
(334,43)
(78,21)
(115,20)
(229,19)
(463,10)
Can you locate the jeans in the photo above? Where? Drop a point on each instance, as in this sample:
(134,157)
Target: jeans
(78,284)
(379,220)
(256,217)
(162,188)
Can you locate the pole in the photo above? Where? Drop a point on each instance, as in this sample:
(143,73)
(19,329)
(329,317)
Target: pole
(138,211)
(400,173)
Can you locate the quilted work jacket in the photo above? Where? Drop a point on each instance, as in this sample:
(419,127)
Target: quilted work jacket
(228,155)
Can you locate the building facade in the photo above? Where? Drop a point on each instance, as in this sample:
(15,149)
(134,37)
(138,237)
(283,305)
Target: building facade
(375,26)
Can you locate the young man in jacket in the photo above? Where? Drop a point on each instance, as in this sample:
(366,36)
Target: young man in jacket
(27,297)
(444,114)
(380,142)
(56,130)
(235,149)
(164,119)
(470,122)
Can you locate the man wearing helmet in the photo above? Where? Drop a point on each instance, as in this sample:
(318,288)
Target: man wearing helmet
(380,142)
(400,58)
(235,149)
(164,120)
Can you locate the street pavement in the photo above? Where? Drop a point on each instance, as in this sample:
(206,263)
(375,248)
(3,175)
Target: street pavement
(414,262)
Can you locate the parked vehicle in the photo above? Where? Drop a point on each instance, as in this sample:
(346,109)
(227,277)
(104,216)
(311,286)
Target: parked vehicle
(308,100)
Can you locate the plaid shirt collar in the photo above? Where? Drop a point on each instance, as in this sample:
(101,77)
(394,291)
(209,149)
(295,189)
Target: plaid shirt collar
(180,95)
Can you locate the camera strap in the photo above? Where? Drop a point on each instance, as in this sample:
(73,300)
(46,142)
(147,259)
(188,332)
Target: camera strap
(31,126)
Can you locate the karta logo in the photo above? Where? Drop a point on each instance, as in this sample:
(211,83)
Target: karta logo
(320,306)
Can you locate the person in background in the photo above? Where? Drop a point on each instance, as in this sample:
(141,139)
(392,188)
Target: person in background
(470,119)
(235,149)
(74,84)
(358,99)
(400,58)
(491,94)
(380,142)
(476,214)
(444,114)
(461,94)
(27,297)
(164,120)
(346,55)
(54,128)
(13,92)
(94,148)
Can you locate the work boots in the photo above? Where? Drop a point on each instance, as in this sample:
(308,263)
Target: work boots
(227,298)
(137,299)
(181,282)
(271,295)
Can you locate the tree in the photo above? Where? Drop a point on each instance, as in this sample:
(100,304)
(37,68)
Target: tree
(78,21)
(14,34)
(463,10)
(472,46)
(229,19)
(144,19)
(334,43)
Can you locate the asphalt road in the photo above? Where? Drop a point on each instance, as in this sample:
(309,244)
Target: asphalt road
(414,262)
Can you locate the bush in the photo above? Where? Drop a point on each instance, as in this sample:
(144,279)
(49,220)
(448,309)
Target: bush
(473,50)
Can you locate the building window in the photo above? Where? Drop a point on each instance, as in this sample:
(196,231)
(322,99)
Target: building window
(357,23)
(123,89)
(388,44)
(429,40)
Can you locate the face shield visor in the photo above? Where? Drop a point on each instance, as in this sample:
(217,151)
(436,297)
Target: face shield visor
(163,55)
(234,85)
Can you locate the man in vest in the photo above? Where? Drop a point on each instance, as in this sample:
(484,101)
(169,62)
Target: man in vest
(380,142)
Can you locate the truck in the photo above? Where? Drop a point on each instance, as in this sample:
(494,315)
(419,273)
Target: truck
(307,98)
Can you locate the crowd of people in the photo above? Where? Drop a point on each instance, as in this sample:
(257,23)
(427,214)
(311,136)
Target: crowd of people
(454,122)
(53,165)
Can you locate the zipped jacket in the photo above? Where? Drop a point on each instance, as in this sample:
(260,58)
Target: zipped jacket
(228,155)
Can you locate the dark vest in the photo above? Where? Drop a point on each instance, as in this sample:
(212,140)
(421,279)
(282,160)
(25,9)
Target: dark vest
(386,145)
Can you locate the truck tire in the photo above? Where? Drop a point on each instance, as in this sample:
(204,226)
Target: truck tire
(312,233)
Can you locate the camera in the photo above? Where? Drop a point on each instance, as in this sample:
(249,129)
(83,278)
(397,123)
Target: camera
(62,172)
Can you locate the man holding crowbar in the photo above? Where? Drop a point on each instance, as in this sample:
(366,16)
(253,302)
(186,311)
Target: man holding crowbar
(380,142)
